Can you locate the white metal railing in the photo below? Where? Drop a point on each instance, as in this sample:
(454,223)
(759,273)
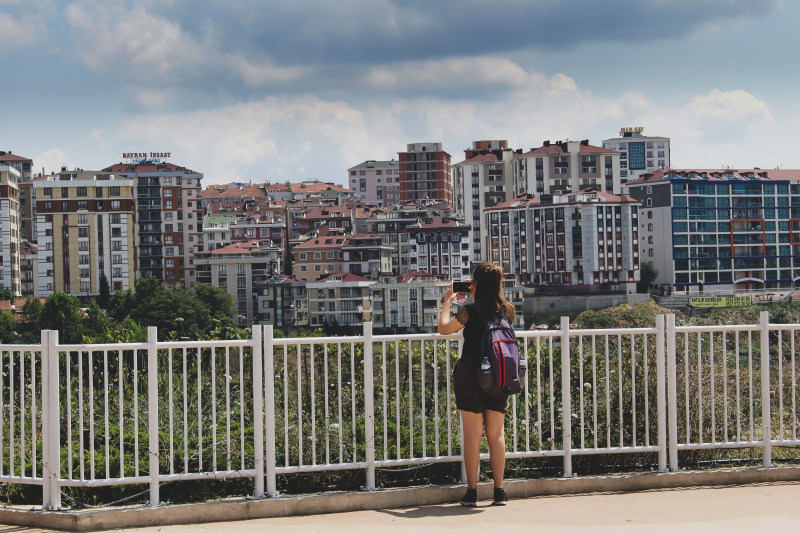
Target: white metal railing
(154,412)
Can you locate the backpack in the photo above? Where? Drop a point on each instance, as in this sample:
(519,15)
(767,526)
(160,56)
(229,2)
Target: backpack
(499,346)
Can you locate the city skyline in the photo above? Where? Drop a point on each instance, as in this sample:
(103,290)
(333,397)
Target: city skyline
(263,91)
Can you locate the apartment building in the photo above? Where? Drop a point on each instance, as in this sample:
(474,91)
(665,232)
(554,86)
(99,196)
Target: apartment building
(282,302)
(567,166)
(484,179)
(367,256)
(236,268)
(721,229)
(318,256)
(27,211)
(169,219)
(639,154)
(588,238)
(86,227)
(340,299)
(425,173)
(336,217)
(217,231)
(409,303)
(23,165)
(29,268)
(376,182)
(440,245)
(9,230)
(259,226)
(391,225)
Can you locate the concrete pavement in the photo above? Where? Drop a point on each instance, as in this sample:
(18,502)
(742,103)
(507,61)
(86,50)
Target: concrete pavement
(764,506)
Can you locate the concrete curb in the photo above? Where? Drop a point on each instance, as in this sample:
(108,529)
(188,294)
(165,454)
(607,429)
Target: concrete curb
(244,509)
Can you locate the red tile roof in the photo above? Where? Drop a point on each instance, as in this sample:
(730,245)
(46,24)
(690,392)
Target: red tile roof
(483,158)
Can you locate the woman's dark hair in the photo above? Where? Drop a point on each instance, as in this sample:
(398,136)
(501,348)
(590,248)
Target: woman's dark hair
(488,280)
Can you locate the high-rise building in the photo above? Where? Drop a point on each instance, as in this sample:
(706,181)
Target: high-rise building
(721,230)
(9,230)
(484,179)
(376,182)
(639,154)
(85,224)
(169,218)
(585,238)
(425,173)
(568,166)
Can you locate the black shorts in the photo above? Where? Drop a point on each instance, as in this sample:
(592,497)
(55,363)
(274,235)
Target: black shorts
(469,394)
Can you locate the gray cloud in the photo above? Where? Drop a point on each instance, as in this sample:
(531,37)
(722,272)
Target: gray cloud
(372,32)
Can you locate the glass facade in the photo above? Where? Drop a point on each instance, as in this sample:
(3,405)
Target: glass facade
(636,160)
(745,233)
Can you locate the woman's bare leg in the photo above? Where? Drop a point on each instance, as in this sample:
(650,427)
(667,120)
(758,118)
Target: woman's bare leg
(473,432)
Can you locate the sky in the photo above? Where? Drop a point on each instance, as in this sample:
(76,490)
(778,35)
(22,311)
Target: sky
(257,90)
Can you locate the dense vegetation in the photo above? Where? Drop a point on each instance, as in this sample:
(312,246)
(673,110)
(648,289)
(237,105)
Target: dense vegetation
(203,312)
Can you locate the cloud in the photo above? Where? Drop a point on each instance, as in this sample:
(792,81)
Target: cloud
(308,136)
(15,33)
(272,138)
(159,59)
(730,107)
(52,160)
(244,48)
(447,74)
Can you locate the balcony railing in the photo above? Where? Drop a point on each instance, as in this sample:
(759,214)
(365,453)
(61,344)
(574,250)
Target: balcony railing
(321,404)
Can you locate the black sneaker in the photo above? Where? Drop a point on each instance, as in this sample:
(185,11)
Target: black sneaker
(500,496)
(470,499)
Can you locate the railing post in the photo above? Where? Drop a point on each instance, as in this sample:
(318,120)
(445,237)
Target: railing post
(566,397)
(152,411)
(46,457)
(766,415)
(369,406)
(269,410)
(661,395)
(258,411)
(461,436)
(51,435)
(672,394)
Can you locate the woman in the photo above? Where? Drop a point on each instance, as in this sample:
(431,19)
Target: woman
(478,408)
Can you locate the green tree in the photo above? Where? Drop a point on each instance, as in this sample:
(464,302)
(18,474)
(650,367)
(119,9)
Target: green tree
(8,326)
(648,274)
(5,294)
(61,312)
(96,323)
(29,327)
(217,300)
(104,298)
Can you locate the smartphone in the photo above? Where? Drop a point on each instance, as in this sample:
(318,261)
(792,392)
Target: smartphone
(461,286)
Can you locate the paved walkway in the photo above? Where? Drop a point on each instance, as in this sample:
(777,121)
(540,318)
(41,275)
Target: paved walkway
(761,507)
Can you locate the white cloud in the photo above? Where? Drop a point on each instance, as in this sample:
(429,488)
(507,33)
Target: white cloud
(52,160)
(273,138)
(729,106)
(15,33)
(307,136)
(448,73)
